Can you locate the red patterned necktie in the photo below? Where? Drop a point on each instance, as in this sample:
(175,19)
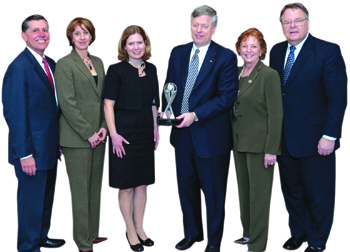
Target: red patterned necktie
(48,73)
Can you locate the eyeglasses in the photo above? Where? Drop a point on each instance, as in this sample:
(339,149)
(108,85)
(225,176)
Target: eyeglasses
(297,22)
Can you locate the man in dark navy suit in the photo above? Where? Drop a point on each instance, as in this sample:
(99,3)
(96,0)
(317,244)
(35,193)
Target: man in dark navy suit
(31,112)
(206,77)
(314,90)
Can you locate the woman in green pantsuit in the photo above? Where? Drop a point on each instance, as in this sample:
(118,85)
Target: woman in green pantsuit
(257,129)
(79,80)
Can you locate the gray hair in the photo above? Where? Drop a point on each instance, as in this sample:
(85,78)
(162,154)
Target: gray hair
(205,10)
(25,23)
(295,6)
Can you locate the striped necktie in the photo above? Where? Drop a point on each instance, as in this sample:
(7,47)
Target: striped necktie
(289,64)
(191,79)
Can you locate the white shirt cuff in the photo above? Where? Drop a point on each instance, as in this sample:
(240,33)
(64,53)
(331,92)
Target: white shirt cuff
(329,138)
(26,157)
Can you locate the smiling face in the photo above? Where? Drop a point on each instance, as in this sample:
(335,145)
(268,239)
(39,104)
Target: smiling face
(250,50)
(295,33)
(135,46)
(202,30)
(81,38)
(37,37)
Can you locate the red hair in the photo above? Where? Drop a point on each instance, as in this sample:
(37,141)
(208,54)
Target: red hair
(256,34)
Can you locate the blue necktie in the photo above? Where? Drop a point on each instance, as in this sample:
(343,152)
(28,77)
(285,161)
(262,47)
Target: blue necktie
(191,79)
(289,64)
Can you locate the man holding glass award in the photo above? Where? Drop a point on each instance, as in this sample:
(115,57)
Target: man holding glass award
(200,89)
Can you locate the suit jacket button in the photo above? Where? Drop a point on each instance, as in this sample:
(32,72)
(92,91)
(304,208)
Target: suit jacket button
(240,116)
(283,93)
(98,100)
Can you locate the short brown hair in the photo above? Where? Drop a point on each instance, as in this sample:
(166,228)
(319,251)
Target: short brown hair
(84,23)
(133,29)
(254,33)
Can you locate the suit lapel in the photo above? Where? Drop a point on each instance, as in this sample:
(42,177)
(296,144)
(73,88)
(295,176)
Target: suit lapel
(51,64)
(302,58)
(79,63)
(281,57)
(208,62)
(100,73)
(40,71)
(251,78)
(185,60)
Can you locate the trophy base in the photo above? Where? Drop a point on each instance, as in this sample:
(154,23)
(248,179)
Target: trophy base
(168,121)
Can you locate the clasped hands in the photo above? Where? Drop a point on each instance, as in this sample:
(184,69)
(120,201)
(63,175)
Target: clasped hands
(97,138)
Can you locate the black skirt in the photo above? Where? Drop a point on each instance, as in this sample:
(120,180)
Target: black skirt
(136,126)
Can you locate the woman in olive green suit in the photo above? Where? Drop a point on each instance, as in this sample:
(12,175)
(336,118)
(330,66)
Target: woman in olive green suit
(79,80)
(257,130)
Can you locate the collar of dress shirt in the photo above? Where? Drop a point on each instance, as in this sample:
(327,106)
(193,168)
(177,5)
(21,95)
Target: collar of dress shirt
(202,52)
(37,56)
(297,49)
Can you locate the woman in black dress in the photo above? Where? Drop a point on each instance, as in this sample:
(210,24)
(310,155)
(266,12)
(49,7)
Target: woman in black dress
(131,99)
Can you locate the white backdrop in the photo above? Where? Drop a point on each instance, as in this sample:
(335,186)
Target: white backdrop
(168,24)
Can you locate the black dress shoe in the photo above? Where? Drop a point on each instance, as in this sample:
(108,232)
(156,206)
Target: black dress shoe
(136,247)
(148,242)
(52,243)
(294,243)
(314,249)
(212,248)
(241,241)
(186,243)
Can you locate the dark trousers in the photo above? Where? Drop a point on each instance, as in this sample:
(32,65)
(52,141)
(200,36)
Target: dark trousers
(34,206)
(308,187)
(210,175)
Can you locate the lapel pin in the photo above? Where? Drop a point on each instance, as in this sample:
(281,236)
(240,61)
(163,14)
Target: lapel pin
(211,61)
(249,81)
